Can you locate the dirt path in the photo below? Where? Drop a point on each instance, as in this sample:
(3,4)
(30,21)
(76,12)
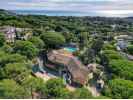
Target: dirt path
(44,76)
(93,90)
(70,88)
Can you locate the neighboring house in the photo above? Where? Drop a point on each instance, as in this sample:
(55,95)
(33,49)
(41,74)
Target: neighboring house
(123,37)
(122,41)
(10,33)
(23,33)
(122,44)
(113,26)
(68,66)
(130,57)
(27,35)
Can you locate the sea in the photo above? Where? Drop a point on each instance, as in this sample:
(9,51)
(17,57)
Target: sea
(52,13)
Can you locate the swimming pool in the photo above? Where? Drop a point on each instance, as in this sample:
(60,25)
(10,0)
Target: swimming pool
(70,49)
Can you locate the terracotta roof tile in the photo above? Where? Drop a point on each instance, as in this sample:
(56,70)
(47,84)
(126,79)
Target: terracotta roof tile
(78,71)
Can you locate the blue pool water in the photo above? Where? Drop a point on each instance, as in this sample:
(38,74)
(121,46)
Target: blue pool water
(70,49)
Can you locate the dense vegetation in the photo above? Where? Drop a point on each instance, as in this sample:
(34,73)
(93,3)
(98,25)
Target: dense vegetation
(119,88)
(90,33)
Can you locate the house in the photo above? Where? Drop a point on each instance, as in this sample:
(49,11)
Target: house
(130,57)
(68,66)
(10,33)
(122,44)
(23,33)
(122,41)
(123,37)
(113,26)
(27,35)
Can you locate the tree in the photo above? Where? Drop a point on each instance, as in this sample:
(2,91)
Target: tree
(26,48)
(9,89)
(88,56)
(2,39)
(112,55)
(97,45)
(55,88)
(16,71)
(108,47)
(130,49)
(82,93)
(65,94)
(53,39)
(7,48)
(60,28)
(119,89)
(102,97)
(37,42)
(122,68)
(37,32)
(6,58)
(69,37)
(34,85)
(83,39)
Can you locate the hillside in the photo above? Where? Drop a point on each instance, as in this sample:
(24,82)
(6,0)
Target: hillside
(65,57)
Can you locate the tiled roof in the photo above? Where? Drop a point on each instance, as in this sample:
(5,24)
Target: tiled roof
(78,71)
(57,57)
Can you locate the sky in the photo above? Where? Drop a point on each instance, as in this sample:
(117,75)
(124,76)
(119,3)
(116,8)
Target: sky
(107,8)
